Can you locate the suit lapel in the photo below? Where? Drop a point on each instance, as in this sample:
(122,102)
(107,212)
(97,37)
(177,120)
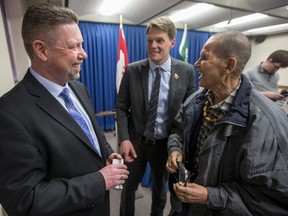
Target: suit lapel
(85,102)
(144,79)
(174,82)
(53,108)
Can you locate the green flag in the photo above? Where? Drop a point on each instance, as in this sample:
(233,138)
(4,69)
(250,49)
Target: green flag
(183,48)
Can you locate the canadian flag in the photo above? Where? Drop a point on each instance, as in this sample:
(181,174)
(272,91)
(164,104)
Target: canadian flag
(122,60)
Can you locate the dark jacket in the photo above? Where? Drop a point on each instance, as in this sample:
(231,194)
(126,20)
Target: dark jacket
(132,101)
(47,164)
(244,159)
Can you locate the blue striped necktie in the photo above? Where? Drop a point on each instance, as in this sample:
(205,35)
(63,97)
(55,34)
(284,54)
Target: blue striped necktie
(74,112)
(153,105)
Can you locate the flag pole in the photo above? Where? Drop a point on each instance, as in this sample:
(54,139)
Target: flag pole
(122,61)
(121,25)
(183,48)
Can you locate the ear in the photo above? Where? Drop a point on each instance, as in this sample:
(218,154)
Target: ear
(231,64)
(40,49)
(172,43)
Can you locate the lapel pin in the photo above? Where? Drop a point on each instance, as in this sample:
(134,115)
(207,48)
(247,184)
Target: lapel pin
(176,76)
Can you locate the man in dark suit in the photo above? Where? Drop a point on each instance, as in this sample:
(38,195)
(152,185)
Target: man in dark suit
(133,113)
(48,164)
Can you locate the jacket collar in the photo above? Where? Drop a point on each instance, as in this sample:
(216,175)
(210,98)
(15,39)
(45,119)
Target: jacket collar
(240,108)
(50,105)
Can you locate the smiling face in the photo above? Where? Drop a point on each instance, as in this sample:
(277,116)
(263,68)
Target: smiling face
(158,45)
(222,60)
(61,54)
(211,67)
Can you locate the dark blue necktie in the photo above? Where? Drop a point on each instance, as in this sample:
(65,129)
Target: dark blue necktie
(153,104)
(74,112)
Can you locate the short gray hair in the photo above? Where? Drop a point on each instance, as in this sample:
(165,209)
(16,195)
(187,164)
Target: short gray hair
(235,44)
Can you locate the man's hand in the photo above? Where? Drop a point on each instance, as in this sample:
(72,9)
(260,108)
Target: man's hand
(191,193)
(273,95)
(128,151)
(111,157)
(114,174)
(172,161)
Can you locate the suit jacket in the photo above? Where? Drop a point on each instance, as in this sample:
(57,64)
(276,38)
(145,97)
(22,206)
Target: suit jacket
(47,164)
(132,100)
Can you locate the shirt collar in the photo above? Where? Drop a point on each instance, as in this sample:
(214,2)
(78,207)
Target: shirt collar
(52,87)
(166,66)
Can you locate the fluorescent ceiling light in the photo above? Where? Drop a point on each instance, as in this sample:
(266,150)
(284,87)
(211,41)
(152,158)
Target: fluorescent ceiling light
(240,20)
(110,7)
(191,11)
(267,29)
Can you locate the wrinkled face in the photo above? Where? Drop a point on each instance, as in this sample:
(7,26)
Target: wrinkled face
(65,54)
(211,68)
(158,45)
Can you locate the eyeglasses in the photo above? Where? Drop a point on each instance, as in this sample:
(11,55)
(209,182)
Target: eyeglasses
(276,66)
(184,175)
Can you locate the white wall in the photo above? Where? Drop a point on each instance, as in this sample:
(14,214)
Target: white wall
(261,51)
(6,73)
(15,10)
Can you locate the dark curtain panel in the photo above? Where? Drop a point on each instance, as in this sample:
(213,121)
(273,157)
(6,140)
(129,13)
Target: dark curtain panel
(99,69)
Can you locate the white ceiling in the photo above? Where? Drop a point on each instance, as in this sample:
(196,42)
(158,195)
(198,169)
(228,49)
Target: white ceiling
(139,12)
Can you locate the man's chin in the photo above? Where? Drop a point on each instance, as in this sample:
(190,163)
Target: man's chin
(75,76)
(154,59)
(201,82)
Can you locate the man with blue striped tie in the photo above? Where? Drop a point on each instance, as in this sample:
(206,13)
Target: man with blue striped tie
(54,159)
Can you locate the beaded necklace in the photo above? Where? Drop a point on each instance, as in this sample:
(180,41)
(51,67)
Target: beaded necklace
(205,114)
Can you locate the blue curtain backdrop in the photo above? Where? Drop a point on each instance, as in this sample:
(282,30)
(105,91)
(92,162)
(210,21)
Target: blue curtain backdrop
(99,69)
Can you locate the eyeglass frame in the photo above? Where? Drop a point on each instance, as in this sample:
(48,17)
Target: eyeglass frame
(275,66)
(184,172)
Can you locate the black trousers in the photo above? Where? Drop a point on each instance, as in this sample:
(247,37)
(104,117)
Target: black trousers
(156,154)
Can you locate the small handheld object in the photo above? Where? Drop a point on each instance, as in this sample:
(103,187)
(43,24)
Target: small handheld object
(118,161)
(284,92)
(184,174)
